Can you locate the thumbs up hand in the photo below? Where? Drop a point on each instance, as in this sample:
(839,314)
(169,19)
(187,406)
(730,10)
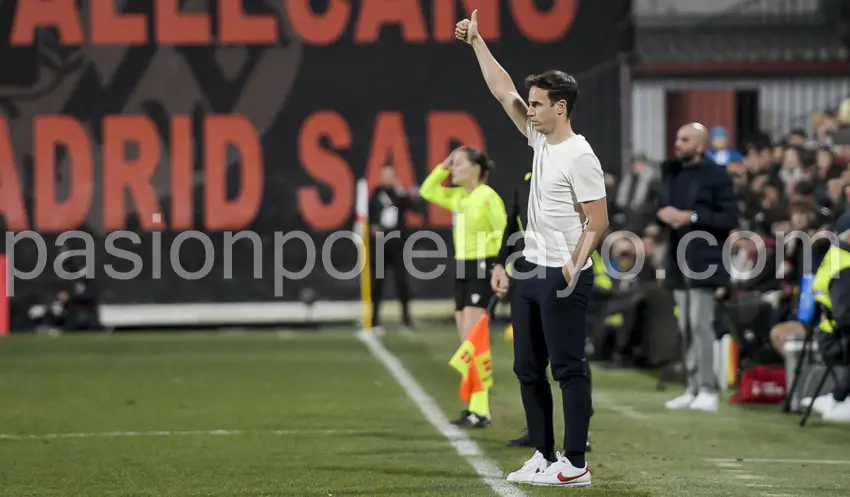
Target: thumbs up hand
(467,29)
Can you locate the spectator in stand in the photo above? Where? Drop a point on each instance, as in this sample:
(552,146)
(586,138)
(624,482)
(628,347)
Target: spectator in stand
(828,170)
(654,248)
(791,171)
(825,123)
(828,167)
(843,115)
(840,137)
(797,138)
(636,196)
(805,224)
(759,157)
(740,177)
(778,156)
(720,152)
(841,202)
(774,208)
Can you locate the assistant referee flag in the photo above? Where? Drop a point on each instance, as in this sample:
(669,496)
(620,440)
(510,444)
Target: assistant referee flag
(474,361)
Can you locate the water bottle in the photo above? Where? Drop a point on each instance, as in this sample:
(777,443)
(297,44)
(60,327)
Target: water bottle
(806,305)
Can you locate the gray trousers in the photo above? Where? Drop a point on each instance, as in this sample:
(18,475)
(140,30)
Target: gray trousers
(696,308)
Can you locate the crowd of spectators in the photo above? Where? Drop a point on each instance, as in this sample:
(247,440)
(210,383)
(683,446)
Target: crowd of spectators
(799,182)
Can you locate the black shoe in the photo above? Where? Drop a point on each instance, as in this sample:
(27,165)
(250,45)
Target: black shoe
(471,420)
(523,441)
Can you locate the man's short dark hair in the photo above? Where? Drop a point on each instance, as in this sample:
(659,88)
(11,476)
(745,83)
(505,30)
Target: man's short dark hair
(560,85)
(760,145)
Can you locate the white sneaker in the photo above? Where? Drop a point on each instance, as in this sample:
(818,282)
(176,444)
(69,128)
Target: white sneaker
(681,402)
(822,404)
(535,465)
(563,474)
(840,412)
(706,402)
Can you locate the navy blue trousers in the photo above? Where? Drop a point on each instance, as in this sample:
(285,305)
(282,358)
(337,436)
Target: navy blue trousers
(549,328)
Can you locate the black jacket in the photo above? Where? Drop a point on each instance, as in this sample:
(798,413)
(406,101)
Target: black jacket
(387,198)
(513,240)
(712,196)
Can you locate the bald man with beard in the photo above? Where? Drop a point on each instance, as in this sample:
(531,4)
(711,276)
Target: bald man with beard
(698,209)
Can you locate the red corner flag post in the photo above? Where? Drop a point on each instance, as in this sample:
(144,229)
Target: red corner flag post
(4,297)
(473,359)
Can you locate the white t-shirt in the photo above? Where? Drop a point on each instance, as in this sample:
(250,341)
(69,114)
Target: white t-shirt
(563,176)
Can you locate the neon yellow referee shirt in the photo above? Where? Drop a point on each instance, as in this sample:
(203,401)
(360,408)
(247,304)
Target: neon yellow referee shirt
(480,220)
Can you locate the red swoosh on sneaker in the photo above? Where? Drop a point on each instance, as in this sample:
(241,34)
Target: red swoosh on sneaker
(567,479)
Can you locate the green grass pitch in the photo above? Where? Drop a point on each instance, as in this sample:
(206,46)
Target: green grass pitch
(315,414)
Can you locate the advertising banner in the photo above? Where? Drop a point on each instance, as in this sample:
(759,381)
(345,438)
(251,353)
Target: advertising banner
(195,148)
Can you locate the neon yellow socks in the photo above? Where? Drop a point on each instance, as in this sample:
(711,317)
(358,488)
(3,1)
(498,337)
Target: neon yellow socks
(479,403)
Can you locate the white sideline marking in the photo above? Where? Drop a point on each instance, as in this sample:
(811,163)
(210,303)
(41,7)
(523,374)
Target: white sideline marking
(181,433)
(732,467)
(465,446)
(783,461)
(612,405)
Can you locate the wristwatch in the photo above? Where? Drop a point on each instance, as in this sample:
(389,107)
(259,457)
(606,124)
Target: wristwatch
(694,217)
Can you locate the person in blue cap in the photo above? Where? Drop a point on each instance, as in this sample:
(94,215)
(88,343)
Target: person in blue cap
(719,152)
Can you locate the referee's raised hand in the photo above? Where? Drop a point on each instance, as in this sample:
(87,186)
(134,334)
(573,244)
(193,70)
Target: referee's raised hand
(450,160)
(467,29)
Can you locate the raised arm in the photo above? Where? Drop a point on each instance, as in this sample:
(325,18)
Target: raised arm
(498,80)
(433,191)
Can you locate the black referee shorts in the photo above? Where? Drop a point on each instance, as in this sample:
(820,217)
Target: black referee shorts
(472,284)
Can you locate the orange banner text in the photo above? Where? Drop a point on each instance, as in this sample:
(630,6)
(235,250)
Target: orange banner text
(124,177)
(389,144)
(365,20)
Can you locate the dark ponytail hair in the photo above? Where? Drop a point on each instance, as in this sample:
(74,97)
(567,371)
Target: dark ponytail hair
(479,158)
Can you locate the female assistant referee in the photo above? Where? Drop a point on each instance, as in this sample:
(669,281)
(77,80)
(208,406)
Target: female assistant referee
(479,222)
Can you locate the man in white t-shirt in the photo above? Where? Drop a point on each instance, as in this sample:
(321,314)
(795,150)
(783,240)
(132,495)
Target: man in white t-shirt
(567,218)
